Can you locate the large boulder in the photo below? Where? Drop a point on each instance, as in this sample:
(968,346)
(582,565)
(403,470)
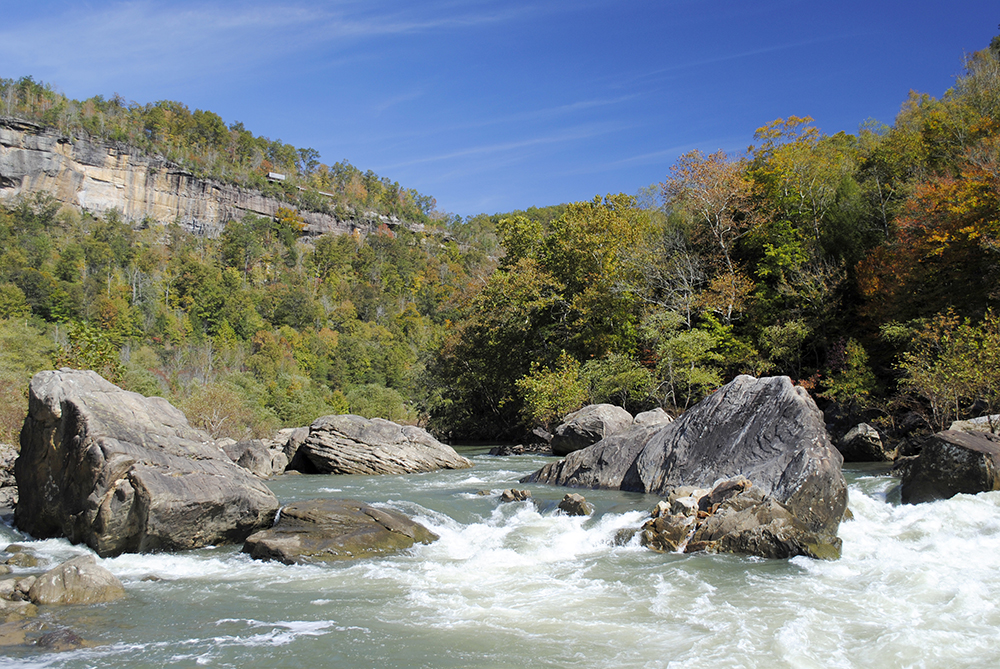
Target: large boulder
(325,530)
(78,581)
(126,473)
(349,444)
(588,426)
(952,462)
(766,430)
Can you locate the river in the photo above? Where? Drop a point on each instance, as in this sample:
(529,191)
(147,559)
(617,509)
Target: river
(520,585)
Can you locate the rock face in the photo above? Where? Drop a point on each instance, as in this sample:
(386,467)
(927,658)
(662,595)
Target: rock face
(77,581)
(98,176)
(952,462)
(351,444)
(765,430)
(125,473)
(588,426)
(863,443)
(323,530)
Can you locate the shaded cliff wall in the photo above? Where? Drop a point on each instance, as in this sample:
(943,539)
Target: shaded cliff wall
(96,176)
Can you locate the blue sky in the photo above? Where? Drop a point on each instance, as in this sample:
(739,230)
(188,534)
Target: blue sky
(492,106)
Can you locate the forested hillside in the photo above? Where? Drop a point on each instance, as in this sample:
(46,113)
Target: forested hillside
(863,266)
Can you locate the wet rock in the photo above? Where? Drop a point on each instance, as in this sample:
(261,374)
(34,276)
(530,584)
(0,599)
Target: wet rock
(745,521)
(324,530)
(15,610)
(354,445)
(514,495)
(863,443)
(952,462)
(15,633)
(77,581)
(765,430)
(575,505)
(126,473)
(22,559)
(587,426)
(61,640)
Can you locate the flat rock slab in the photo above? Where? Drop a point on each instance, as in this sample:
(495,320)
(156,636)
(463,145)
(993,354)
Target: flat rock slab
(326,530)
(126,473)
(953,462)
(348,444)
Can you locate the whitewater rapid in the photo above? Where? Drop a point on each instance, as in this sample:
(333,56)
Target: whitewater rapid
(520,584)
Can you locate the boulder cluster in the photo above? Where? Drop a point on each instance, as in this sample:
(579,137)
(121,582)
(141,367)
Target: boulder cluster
(121,472)
(767,432)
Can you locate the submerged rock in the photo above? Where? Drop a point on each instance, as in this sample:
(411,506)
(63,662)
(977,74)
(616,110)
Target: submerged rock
(765,430)
(323,530)
(587,426)
(952,462)
(126,473)
(351,444)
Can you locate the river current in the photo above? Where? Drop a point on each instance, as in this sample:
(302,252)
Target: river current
(521,585)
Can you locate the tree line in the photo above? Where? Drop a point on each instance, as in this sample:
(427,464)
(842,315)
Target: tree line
(864,266)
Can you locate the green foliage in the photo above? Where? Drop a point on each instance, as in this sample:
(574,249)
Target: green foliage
(24,350)
(375,401)
(548,394)
(228,408)
(951,365)
(850,379)
(620,380)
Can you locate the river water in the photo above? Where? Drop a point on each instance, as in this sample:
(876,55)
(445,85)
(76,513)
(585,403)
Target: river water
(520,585)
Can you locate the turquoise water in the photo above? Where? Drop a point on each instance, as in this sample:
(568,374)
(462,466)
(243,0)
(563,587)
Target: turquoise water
(522,585)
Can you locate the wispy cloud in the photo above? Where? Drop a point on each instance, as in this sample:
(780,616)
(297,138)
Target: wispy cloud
(576,134)
(188,40)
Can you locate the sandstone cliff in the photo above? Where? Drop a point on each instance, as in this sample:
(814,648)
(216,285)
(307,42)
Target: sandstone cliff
(97,176)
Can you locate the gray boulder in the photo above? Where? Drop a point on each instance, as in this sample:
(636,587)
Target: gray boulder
(766,430)
(979,424)
(863,443)
(77,581)
(126,473)
(325,530)
(258,457)
(588,426)
(351,444)
(952,462)
(655,416)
